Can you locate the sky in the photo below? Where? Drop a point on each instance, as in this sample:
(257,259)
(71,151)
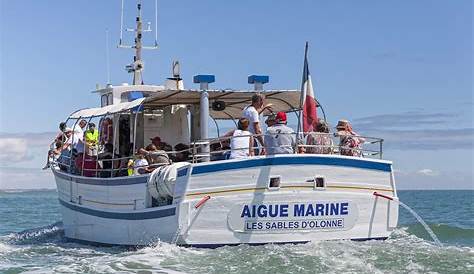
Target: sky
(399,70)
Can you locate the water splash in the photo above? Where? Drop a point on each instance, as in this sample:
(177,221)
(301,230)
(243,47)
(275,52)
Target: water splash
(37,235)
(420,220)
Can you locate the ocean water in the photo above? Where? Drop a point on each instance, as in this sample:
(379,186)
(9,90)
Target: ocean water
(31,241)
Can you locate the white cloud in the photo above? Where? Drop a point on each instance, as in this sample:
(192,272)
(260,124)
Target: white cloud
(20,148)
(427,172)
(13,150)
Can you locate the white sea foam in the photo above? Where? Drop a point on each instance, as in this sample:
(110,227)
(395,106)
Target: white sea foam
(402,253)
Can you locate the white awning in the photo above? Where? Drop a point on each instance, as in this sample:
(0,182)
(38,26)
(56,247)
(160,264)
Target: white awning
(95,112)
(235,102)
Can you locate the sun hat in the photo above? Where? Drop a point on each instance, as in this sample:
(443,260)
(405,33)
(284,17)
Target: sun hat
(342,124)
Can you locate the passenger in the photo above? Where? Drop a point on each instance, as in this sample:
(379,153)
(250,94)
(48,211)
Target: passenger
(78,136)
(301,147)
(60,138)
(107,163)
(166,147)
(217,153)
(56,151)
(271,120)
(251,113)
(154,156)
(140,165)
(61,135)
(241,144)
(279,138)
(350,143)
(156,141)
(106,131)
(320,142)
(92,140)
(182,153)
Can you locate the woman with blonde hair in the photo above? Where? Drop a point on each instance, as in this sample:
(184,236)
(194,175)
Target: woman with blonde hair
(241,144)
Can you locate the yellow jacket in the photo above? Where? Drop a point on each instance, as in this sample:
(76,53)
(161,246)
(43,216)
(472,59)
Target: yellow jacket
(92,138)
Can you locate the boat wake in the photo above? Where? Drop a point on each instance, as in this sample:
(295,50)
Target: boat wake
(50,233)
(409,249)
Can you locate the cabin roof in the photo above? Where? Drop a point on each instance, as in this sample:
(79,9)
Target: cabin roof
(235,101)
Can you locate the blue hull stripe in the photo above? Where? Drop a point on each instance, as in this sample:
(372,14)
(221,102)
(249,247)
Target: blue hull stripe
(122,216)
(118,181)
(182,172)
(278,161)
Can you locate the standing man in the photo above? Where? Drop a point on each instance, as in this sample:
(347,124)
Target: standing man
(78,136)
(252,114)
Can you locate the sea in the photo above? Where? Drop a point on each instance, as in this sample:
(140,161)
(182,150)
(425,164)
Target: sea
(32,241)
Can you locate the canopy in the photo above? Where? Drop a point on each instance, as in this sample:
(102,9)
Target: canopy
(235,101)
(95,112)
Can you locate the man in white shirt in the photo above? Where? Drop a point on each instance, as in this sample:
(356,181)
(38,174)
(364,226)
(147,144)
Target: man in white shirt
(252,114)
(78,137)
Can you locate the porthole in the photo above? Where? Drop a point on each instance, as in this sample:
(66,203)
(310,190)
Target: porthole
(319,182)
(274,182)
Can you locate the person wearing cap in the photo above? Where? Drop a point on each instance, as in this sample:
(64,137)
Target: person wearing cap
(156,141)
(252,114)
(320,142)
(271,120)
(279,138)
(349,141)
(91,137)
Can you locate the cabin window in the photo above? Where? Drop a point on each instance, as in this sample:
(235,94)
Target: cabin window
(103,100)
(274,182)
(106,99)
(110,99)
(319,182)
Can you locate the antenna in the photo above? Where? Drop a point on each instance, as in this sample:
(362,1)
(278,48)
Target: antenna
(107,54)
(137,66)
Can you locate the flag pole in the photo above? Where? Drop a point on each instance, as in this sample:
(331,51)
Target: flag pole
(302,92)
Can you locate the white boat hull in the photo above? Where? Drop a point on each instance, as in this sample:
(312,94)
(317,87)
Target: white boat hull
(242,209)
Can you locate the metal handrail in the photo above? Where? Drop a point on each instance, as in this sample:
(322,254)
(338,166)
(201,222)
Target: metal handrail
(196,155)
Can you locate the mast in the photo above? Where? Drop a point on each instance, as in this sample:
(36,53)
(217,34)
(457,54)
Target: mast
(137,66)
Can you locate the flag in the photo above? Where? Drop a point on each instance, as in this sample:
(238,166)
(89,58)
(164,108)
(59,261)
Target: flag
(308,114)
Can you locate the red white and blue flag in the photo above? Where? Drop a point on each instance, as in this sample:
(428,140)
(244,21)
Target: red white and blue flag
(308,114)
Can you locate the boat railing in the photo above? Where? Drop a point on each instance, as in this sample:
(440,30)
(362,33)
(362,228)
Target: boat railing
(367,147)
(215,149)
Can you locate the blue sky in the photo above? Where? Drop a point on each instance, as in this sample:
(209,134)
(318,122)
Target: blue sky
(401,70)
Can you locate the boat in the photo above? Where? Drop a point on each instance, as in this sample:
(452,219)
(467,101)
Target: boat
(207,201)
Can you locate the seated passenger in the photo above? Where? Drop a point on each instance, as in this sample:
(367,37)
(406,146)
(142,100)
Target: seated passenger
(349,143)
(140,165)
(154,156)
(279,138)
(320,142)
(218,153)
(107,163)
(182,153)
(241,143)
